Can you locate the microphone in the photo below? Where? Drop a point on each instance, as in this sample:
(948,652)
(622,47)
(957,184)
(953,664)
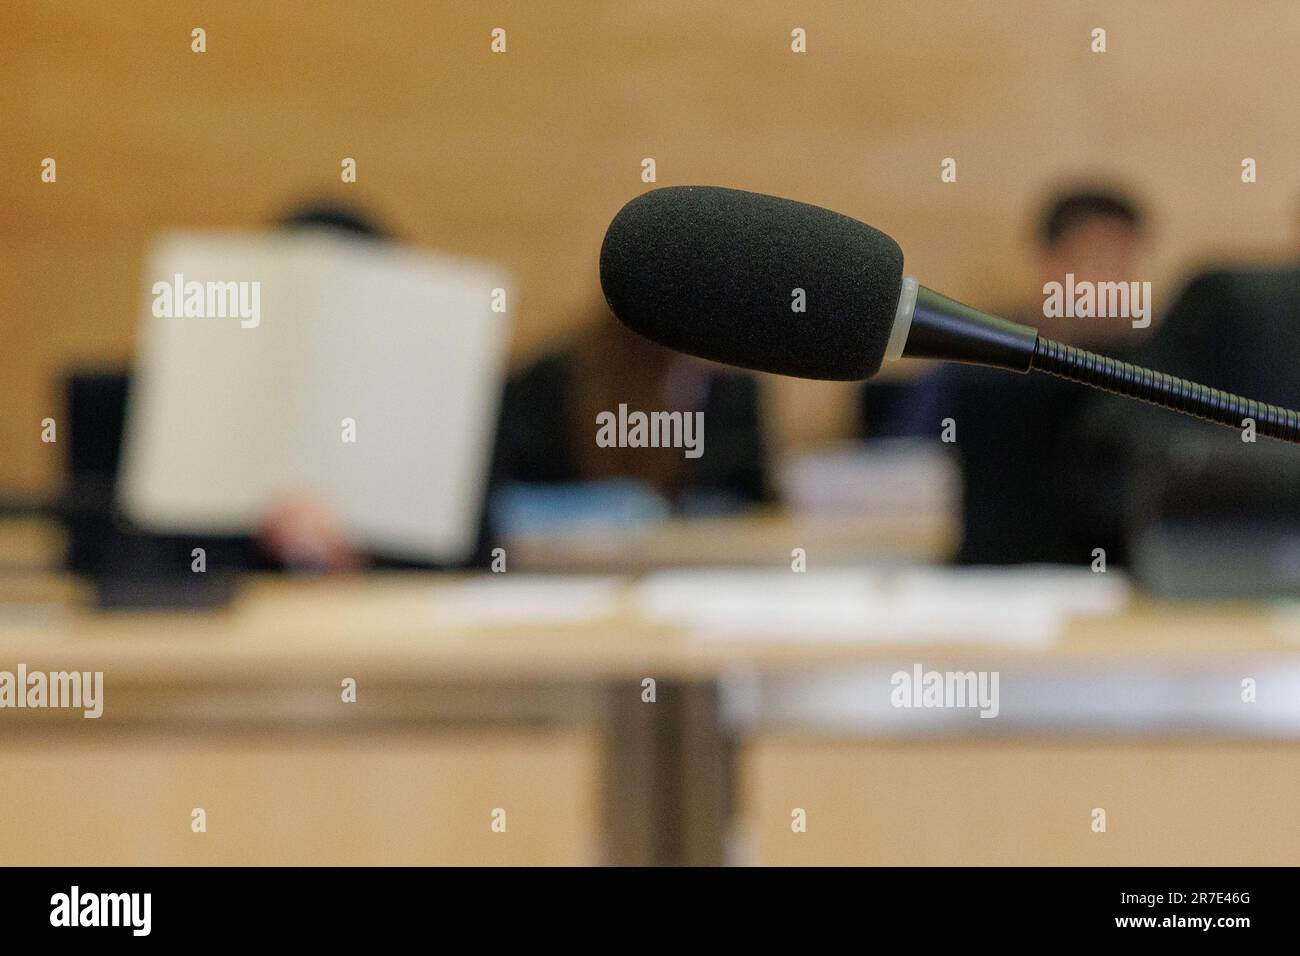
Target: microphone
(717,273)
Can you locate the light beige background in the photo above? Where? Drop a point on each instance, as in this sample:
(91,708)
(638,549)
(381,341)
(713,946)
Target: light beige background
(524,157)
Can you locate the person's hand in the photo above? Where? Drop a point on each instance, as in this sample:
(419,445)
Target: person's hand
(304,535)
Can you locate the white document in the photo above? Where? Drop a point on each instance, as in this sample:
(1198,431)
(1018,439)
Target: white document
(504,600)
(227,412)
(1027,608)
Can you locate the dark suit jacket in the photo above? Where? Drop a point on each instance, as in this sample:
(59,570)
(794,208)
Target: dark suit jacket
(1236,330)
(1042,479)
(1043,462)
(536,436)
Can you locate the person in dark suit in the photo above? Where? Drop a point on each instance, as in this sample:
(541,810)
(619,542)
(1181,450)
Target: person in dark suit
(1041,476)
(548,425)
(1211,512)
(1237,330)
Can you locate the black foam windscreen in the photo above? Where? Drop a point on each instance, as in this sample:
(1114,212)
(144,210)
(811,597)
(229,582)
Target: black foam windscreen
(722,274)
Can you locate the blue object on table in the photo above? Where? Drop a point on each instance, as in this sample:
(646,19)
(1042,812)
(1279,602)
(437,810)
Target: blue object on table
(523,508)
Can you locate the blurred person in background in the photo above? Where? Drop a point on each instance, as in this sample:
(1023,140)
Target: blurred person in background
(1235,329)
(295,532)
(1041,475)
(1212,511)
(550,472)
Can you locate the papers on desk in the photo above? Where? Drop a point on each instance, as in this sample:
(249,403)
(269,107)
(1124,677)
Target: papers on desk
(1018,607)
(502,600)
(1021,607)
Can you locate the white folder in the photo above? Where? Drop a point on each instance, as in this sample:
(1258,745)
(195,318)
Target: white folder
(225,415)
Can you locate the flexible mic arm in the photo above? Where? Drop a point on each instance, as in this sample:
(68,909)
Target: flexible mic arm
(1167,391)
(932,326)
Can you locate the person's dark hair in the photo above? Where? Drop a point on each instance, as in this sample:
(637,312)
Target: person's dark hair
(330,215)
(1068,210)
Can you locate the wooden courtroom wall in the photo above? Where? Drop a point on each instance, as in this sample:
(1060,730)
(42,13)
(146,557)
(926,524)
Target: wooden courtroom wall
(524,157)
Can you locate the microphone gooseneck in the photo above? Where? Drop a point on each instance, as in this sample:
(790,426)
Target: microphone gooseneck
(1166,391)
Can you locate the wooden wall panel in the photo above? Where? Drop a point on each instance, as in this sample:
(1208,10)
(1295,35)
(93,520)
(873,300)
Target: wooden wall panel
(524,157)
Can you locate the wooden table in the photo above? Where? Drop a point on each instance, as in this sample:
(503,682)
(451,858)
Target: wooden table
(240,712)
